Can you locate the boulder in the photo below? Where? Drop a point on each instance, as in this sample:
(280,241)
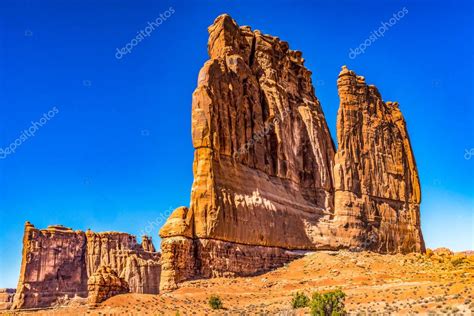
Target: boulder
(105,283)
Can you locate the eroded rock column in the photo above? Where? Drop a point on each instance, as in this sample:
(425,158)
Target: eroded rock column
(377,199)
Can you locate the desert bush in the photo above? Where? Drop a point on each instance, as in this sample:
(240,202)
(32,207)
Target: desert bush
(328,304)
(215,302)
(299,300)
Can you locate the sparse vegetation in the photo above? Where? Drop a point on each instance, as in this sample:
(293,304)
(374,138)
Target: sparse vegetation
(299,300)
(215,302)
(328,304)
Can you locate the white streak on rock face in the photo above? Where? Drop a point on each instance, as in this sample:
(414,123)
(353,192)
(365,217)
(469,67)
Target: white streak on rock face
(255,200)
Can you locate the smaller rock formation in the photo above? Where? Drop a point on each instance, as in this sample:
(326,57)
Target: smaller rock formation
(147,244)
(6,298)
(52,266)
(446,257)
(138,264)
(57,263)
(105,283)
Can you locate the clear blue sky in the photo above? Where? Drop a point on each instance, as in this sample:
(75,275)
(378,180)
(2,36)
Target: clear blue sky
(118,154)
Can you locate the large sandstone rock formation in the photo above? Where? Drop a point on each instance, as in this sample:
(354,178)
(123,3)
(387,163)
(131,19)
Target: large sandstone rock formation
(267,181)
(263,160)
(57,262)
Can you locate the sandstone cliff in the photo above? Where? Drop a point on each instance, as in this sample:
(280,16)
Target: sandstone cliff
(57,262)
(267,181)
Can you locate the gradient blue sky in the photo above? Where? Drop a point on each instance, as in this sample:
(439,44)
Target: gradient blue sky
(118,154)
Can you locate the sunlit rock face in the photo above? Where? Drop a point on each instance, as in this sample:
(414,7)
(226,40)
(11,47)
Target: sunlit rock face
(268,183)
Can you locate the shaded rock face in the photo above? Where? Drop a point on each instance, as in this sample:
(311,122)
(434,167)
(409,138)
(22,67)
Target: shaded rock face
(377,190)
(57,262)
(267,179)
(105,283)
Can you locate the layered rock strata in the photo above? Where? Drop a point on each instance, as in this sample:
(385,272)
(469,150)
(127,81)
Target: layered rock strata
(57,262)
(268,183)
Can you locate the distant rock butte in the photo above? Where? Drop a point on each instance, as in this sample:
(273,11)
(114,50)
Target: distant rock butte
(59,262)
(268,182)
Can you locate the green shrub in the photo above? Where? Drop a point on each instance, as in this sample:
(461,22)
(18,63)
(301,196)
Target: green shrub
(299,300)
(215,302)
(328,304)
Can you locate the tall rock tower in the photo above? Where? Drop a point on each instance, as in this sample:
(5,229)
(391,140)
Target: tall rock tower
(266,187)
(377,190)
(263,158)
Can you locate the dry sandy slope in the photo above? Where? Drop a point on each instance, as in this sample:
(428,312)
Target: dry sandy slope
(395,284)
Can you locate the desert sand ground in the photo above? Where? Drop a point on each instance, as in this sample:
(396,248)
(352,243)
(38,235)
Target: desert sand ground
(374,284)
